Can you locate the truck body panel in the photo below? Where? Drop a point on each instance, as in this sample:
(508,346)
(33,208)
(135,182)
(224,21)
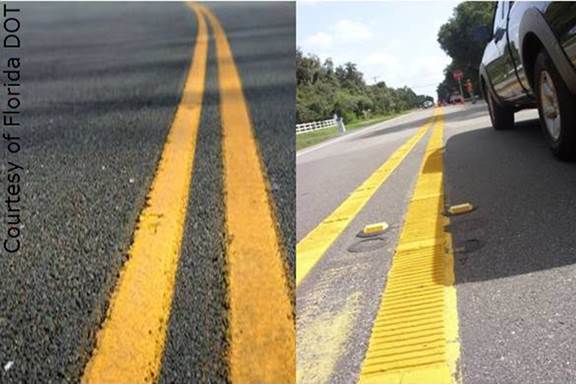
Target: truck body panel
(503,61)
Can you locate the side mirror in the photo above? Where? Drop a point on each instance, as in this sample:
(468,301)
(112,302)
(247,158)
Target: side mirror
(482,33)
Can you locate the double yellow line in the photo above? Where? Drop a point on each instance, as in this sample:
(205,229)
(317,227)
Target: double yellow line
(415,335)
(130,344)
(312,247)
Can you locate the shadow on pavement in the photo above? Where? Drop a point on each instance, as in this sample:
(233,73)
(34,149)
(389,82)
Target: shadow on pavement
(470,112)
(525,198)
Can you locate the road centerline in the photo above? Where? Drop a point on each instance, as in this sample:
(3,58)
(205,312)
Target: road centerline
(397,356)
(262,331)
(315,244)
(130,344)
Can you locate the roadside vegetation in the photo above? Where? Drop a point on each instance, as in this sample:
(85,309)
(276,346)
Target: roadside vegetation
(463,38)
(307,139)
(323,90)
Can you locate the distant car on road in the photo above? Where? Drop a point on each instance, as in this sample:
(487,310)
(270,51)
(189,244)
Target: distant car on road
(529,62)
(428,104)
(456,98)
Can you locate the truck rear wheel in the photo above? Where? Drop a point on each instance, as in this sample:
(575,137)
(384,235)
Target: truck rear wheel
(556,107)
(501,117)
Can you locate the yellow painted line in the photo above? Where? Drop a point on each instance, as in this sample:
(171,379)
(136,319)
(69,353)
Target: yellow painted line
(261,323)
(415,335)
(130,344)
(311,248)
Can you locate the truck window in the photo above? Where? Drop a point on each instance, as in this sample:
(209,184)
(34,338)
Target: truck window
(505,7)
(498,9)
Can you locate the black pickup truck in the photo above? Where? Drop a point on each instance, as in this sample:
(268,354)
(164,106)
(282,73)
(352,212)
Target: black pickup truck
(529,62)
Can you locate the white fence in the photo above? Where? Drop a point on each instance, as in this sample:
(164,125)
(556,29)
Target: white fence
(316,125)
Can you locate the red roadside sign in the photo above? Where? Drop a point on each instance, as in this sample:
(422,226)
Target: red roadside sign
(457,74)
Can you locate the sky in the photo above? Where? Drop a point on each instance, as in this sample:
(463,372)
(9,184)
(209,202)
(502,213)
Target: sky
(392,41)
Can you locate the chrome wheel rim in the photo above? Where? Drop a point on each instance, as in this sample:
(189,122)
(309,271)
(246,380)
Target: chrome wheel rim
(550,106)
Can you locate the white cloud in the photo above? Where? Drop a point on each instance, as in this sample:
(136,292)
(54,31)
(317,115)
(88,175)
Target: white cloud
(320,40)
(381,58)
(378,66)
(351,31)
(422,74)
(430,68)
(340,33)
(383,54)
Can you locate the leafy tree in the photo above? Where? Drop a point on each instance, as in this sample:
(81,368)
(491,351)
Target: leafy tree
(323,89)
(461,39)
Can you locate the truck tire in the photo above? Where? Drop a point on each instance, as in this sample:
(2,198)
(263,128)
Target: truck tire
(556,107)
(501,117)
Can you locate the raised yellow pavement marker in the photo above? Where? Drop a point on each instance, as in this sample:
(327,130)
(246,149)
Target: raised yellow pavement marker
(415,336)
(130,345)
(375,228)
(312,247)
(460,209)
(261,323)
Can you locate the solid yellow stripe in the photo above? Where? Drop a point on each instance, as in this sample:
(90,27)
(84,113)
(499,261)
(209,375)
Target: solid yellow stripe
(261,323)
(130,344)
(311,248)
(418,343)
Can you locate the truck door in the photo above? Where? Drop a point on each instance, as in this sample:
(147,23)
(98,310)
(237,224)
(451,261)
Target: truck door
(500,67)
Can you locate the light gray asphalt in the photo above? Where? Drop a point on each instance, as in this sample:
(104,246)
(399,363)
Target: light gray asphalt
(101,83)
(327,175)
(515,259)
(263,38)
(338,300)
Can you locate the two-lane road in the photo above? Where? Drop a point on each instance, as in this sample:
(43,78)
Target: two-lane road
(513,255)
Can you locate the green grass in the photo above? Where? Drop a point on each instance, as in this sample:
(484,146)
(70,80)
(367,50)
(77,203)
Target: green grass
(304,140)
(307,139)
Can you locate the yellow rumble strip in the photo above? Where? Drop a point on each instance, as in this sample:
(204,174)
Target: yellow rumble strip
(415,334)
(130,344)
(312,247)
(262,330)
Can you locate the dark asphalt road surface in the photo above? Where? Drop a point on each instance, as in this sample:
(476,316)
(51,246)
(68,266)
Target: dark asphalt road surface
(263,38)
(264,55)
(515,259)
(517,292)
(101,82)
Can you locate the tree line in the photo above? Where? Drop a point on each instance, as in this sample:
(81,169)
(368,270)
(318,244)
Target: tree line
(463,38)
(324,89)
